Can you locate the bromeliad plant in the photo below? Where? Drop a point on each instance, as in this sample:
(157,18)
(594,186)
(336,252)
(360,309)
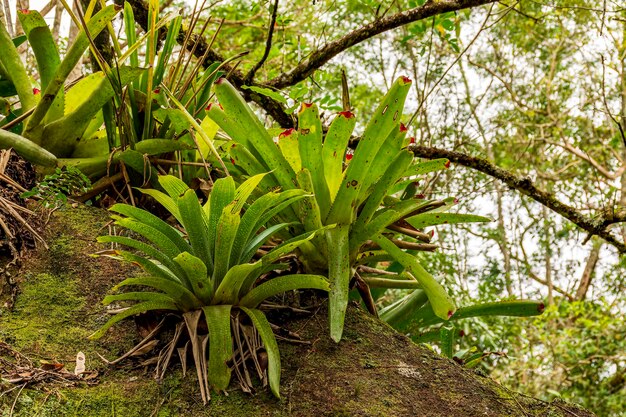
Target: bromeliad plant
(210,271)
(54,121)
(64,128)
(165,105)
(371,223)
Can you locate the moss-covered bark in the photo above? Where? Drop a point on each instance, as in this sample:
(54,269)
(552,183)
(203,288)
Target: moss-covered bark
(374,371)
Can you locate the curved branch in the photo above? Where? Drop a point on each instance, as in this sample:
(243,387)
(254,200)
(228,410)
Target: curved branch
(268,46)
(334,48)
(594,226)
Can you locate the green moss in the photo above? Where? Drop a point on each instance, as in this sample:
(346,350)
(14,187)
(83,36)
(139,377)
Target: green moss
(44,318)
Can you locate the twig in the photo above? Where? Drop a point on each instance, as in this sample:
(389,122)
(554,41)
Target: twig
(268,46)
(324,54)
(526,187)
(16,397)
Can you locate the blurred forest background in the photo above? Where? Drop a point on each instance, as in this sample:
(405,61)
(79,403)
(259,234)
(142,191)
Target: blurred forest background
(538,88)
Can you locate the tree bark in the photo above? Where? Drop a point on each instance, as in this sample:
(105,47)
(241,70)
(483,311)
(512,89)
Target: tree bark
(589,272)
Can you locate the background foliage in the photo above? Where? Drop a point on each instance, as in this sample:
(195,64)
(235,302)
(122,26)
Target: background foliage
(537,88)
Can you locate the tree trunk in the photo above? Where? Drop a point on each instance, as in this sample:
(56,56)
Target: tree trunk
(373,371)
(588,273)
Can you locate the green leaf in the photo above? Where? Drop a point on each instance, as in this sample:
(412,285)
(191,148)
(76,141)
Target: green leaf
(513,308)
(196,126)
(244,190)
(95,25)
(274,95)
(399,313)
(138,296)
(271,347)
(148,250)
(392,174)
(149,266)
(225,237)
(222,194)
(220,345)
(183,296)
(446,339)
(310,211)
(259,213)
(154,222)
(60,136)
(166,51)
(334,149)
(195,223)
(249,131)
(159,146)
(198,276)
(136,309)
(160,240)
(281,206)
(385,119)
(384,159)
(13,67)
(46,53)
(165,200)
(438,297)
(27,149)
(422,168)
(432,219)
(339,274)
(288,144)
(258,241)
(283,284)
(231,286)
(310,147)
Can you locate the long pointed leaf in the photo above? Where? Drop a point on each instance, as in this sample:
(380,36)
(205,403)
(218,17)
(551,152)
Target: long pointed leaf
(153,221)
(147,249)
(283,284)
(339,273)
(438,297)
(310,146)
(220,346)
(385,119)
(136,309)
(433,219)
(95,25)
(196,225)
(334,149)
(185,298)
(511,308)
(271,347)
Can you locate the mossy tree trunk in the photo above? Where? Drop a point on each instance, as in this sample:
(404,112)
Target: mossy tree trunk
(374,371)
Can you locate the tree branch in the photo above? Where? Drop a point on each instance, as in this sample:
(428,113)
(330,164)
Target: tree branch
(334,48)
(597,226)
(268,46)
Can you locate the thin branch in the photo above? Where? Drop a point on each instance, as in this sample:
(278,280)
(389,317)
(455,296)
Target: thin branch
(324,54)
(268,46)
(597,226)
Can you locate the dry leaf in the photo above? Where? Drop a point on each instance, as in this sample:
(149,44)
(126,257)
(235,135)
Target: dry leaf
(80,363)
